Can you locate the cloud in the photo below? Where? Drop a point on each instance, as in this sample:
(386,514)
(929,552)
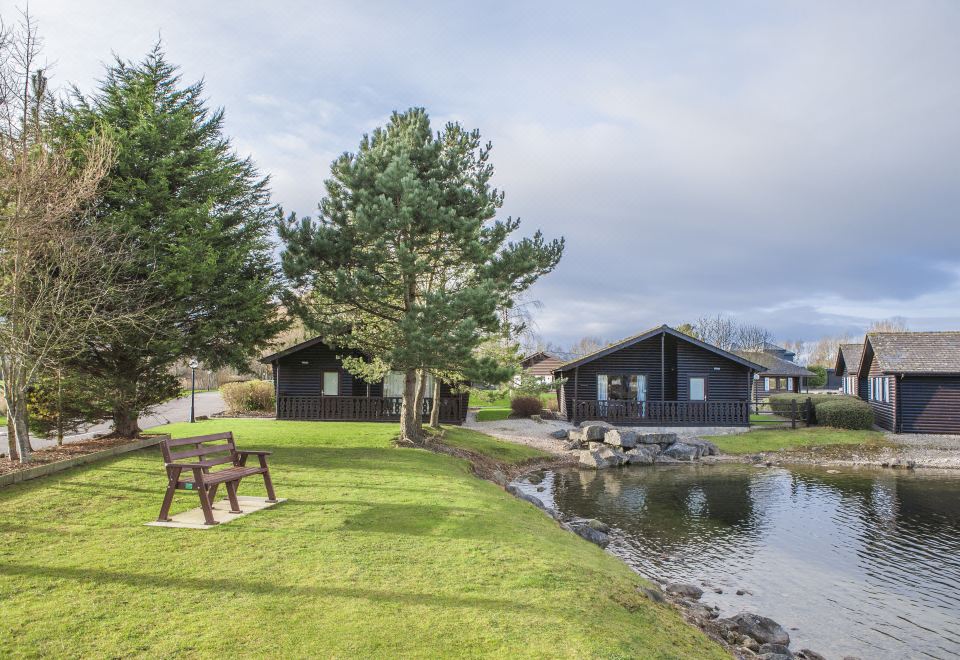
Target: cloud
(793,164)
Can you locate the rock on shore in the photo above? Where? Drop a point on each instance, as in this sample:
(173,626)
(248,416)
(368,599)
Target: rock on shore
(608,447)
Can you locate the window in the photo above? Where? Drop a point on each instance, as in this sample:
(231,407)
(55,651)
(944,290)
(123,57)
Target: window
(621,387)
(393,384)
(790,384)
(698,388)
(766,384)
(879,388)
(886,390)
(331,383)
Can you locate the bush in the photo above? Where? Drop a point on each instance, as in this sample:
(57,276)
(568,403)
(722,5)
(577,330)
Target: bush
(551,404)
(845,413)
(820,379)
(780,404)
(525,406)
(249,396)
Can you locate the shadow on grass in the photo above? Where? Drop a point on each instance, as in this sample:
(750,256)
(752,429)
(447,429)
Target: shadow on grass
(219,586)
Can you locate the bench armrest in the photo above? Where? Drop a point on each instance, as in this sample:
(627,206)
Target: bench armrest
(254,451)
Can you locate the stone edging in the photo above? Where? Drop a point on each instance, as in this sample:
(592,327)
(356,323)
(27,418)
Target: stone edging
(59,466)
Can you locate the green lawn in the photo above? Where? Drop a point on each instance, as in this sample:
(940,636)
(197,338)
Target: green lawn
(379,552)
(777,439)
(492,414)
(482,443)
(767,419)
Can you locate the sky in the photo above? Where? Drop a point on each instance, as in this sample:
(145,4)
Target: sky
(794,165)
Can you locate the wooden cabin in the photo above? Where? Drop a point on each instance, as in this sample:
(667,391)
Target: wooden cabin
(912,380)
(661,377)
(848,368)
(779,375)
(541,365)
(310,383)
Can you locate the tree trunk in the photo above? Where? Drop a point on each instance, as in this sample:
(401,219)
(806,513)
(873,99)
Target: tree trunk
(435,408)
(410,419)
(421,386)
(17,415)
(12,452)
(125,422)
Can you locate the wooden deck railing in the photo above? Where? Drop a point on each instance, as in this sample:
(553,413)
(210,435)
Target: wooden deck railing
(358,408)
(664,413)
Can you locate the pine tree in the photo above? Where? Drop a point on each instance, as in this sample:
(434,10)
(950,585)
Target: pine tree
(406,263)
(197,219)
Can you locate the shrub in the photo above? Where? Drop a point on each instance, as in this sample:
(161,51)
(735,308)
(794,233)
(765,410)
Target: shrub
(249,396)
(551,404)
(820,379)
(780,404)
(525,406)
(845,413)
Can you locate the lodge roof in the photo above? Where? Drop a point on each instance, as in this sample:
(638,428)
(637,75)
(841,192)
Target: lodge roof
(773,365)
(850,354)
(915,352)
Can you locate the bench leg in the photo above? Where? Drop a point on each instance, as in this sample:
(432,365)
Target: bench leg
(167,501)
(268,482)
(205,505)
(232,494)
(213,494)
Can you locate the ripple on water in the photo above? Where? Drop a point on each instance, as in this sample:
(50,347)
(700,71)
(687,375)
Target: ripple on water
(861,562)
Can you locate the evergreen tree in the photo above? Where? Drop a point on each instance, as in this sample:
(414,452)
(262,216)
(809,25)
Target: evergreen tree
(197,219)
(406,263)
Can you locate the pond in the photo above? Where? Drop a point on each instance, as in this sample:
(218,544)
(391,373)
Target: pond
(860,562)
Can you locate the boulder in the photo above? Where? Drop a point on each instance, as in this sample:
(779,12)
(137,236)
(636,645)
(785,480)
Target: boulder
(592,459)
(537,418)
(621,438)
(775,656)
(685,590)
(574,434)
(682,452)
(657,438)
(595,446)
(599,525)
(707,448)
(593,432)
(561,434)
(640,456)
(593,535)
(776,649)
(760,628)
(654,594)
(807,654)
(664,460)
(572,445)
(614,455)
(605,425)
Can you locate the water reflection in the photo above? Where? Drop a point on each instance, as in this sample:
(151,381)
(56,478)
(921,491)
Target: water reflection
(860,562)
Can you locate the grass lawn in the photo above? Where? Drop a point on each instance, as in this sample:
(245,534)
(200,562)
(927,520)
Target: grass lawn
(3,420)
(493,414)
(776,439)
(379,552)
(482,443)
(767,419)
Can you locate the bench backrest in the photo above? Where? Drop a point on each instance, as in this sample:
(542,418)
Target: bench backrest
(200,448)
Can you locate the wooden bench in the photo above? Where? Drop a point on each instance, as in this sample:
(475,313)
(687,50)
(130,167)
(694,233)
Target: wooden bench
(202,479)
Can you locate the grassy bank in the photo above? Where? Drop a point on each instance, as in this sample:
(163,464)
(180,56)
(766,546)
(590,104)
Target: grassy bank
(787,439)
(379,552)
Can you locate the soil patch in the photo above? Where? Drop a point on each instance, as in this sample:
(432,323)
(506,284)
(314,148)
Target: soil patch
(54,454)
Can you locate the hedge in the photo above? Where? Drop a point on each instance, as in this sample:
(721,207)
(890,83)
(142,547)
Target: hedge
(525,406)
(845,413)
(842,412)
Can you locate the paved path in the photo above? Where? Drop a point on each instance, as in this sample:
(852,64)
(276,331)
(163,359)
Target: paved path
(175,410)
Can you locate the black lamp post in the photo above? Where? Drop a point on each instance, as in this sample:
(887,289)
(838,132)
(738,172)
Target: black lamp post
(193,389)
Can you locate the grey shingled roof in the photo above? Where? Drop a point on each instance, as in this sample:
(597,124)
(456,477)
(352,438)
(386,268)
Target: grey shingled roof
(851,357)
(917,352)
(774,366)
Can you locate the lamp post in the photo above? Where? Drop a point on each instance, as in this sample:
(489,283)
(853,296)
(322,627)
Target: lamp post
(193,389)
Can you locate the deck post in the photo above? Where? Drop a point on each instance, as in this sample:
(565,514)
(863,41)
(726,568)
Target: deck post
(576,392)
(663,369)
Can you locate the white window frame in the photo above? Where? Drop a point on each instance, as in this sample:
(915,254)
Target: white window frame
(790,383)
(602,387)
(690,387)
(766,384)
(393,380)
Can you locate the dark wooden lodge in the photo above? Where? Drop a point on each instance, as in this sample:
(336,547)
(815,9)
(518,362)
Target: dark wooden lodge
(912,380)
(779,375)
(540,365)
(848,367)
(661,377)
(310,383)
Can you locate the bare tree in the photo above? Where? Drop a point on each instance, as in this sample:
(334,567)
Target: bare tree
(718,330)
(892,324)
(824,351)
(55,271)
(751,337)
(586,345)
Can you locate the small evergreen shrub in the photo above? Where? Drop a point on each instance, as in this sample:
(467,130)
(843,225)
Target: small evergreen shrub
(780,404)
(249,396)
(845,413)
(525,406)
